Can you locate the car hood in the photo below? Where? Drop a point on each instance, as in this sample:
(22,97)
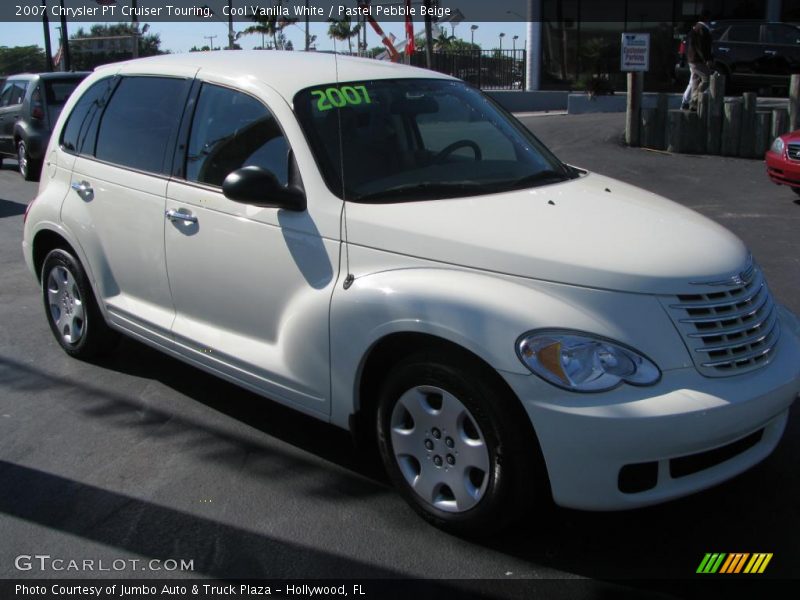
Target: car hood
(592,231)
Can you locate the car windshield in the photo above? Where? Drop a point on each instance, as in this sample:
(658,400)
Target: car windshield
(419,139)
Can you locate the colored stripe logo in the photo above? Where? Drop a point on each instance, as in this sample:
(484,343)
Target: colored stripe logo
(736,562)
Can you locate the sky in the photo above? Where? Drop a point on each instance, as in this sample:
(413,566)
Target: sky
(180,37)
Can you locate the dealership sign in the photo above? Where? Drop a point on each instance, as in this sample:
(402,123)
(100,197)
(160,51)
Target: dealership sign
(635,52)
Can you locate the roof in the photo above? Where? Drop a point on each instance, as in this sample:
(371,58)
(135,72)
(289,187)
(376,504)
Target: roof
(288,72)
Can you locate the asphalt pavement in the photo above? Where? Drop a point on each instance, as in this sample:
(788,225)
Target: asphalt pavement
(141,457)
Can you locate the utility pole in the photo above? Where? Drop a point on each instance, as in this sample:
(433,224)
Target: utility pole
(210,39)
(135,29)
(231,35)
(65,39)
(48,51)
(428,35)
(308,31)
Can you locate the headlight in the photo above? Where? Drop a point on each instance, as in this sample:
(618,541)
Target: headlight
(584,363)
(777,146)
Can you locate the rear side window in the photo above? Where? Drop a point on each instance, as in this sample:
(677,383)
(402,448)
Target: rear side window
(13,93)
(744,33)
(231,130)
(139,124)
(80,132)
(57,92)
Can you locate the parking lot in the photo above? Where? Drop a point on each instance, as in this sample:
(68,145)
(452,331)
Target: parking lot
(142,457)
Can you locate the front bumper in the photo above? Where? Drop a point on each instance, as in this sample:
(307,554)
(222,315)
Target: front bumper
(587,439)
(781,170)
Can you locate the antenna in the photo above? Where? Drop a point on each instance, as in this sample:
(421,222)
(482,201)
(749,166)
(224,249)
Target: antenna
(349,278)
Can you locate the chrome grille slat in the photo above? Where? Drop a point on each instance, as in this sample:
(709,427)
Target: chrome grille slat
(729,316)
(731,330)
(755,339)
(793,151)
(746,358)
(712,304)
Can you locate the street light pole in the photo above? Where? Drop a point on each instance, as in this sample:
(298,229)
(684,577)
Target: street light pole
(134,29)
(48,51)
(502,35)
(472,34)
(514,43)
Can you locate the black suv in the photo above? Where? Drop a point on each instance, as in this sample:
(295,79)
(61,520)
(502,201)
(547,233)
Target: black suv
(752,54)
(29,107)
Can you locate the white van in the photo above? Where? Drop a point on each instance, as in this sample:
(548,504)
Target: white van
(384,248)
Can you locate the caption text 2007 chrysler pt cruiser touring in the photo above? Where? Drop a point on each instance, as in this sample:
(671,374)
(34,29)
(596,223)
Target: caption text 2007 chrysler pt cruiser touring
(384,248)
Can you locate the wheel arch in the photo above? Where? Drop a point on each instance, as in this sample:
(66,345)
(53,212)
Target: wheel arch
(44,242)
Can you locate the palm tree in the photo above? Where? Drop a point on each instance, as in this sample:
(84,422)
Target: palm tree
(343,29)
(443,42)
(270,26)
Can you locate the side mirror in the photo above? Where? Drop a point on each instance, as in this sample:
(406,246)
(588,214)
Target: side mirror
(259,187)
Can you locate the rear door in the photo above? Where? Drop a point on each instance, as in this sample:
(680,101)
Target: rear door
(740,49)
(119,184)
(781,49)
(11,99)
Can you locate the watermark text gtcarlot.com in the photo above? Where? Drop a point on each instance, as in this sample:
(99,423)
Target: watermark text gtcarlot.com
(45,562)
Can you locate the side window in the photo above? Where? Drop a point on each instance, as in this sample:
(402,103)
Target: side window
(80,132)
(5,96)
(13,93)
(140,121)
(231,130)
(743,33)
(783,34)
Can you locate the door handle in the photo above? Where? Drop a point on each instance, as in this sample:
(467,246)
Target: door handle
(84,189)
(771,52)
(724,49)
(179,215)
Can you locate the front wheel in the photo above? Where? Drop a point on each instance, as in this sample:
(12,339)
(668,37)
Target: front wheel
(71,309)
(453,444)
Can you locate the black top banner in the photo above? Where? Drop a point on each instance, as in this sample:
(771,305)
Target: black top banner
(248,10)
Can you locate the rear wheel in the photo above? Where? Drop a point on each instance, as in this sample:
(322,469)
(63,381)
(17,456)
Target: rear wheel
(28,168)
(453,444)
(71,309)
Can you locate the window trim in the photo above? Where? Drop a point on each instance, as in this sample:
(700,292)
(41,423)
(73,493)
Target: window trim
(115,79)
(179,166)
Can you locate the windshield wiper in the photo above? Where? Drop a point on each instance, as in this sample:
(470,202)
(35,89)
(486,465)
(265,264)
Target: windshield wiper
(542,177)
(418,191)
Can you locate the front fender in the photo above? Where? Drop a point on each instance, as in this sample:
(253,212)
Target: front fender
(485,313)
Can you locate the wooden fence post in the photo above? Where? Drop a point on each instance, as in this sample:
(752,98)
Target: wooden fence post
(731,126)
(716,92)
(794,102)
(747,131)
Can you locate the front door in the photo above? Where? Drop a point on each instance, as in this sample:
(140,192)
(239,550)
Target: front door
(251,286)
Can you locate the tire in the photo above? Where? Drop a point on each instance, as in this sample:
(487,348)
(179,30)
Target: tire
(457,445)
(29,169)
(71,308)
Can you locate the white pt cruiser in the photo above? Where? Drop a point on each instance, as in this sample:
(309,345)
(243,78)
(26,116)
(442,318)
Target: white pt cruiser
(386,249)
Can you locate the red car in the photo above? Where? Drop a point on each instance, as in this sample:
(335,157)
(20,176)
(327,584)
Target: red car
(783,161)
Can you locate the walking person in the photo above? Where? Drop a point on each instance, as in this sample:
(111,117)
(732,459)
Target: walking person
(698,53)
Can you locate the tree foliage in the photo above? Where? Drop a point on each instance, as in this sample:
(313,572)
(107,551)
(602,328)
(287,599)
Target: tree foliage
(344,30)
(88,54)
(21,59)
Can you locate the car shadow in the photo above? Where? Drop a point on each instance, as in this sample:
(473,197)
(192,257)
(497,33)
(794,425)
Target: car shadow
(9,208)
(658,545)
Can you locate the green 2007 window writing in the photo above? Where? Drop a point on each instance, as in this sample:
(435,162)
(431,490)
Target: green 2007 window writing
(333,97)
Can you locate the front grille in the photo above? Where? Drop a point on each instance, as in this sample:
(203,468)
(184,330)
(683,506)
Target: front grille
(730,331)
(793,151)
